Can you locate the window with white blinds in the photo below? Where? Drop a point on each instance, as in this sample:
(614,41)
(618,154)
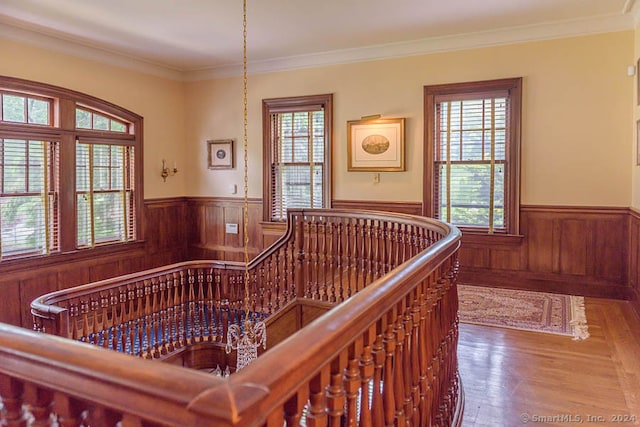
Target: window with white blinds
(28,197)
(68,173)
(298,147)
(104,194)
(474,154)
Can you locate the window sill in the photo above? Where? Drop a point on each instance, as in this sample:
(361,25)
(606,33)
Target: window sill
(116,249)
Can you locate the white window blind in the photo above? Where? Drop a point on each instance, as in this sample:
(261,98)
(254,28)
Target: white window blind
(298,168)
(470,161)
(104,193)
(28,197)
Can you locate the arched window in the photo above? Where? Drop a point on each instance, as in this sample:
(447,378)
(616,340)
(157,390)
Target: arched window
(70,170)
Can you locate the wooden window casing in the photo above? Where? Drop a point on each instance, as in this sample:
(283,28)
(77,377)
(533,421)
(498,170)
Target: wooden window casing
(297,160)
(124,129)
(472,140)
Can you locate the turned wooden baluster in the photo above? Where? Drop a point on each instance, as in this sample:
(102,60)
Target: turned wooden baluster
(148,322)
(377,250)
(323,254)
(217,301)
(393,246)
(106,324)
(93,332)
(41,402)
(171,315)
(316,413)
(367,368)
(209,305)
(122,319)
(368,252)
(335,391)
(84,312)
(379,358)
(99,416)
(338,294)
(358,256)
(68,410)
(315,276)
(329,286)
(388,391)
(115,319)
(348,258)
(308,252)
(183,306)
(277,283)
(421,351)
(300,267)
(267,287)
(164,321)
(129,343)
(352,382)
(384,235)
(411,376)
(201,305)
(190,326)
(292,282)
(294,406)
(398,368)
(11,392)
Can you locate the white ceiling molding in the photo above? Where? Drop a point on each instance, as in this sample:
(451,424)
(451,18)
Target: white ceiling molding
(628,6)
(497,37)
(554,30)
(10,31)
(633,7)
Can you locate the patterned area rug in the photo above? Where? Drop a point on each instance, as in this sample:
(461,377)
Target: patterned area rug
(532,311)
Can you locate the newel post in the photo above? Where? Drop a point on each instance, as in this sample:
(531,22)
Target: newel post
(300,267)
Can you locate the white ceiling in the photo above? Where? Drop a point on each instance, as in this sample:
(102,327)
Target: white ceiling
(197,38)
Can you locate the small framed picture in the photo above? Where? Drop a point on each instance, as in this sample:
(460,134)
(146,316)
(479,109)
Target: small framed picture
(375,145)
(220,154)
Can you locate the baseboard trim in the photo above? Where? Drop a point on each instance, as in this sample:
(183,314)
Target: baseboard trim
(562,284)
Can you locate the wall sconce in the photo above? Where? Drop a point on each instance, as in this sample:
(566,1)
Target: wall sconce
(166,171)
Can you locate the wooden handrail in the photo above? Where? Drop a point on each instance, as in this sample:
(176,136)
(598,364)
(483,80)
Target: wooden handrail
(389,341)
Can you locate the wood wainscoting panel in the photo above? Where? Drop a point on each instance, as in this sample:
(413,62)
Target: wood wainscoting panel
(634,258)
(10,305)
(164,229)
(580,250)
(575,243)
(166,232)
(272,231)
(209,239)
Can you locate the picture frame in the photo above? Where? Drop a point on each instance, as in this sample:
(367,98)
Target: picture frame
(220,154)
(376,145)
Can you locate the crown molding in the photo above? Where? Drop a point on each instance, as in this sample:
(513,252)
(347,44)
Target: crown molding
(513,35)
(626,20)
(632,7)
(11,31)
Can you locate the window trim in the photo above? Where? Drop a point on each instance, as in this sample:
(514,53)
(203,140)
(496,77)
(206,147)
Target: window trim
(514,88)
(290,104)
(63,131)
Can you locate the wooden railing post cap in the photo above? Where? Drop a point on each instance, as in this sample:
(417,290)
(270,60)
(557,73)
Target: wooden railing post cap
(224,403)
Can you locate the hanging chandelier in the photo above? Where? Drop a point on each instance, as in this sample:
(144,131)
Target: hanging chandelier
(252,333)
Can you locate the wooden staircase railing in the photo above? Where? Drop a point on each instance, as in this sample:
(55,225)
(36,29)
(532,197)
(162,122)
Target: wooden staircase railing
(385,354)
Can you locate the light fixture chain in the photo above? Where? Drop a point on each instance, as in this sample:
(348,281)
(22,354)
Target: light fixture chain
(245,225)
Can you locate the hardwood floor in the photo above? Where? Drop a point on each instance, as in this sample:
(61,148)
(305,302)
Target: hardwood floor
(515,378)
